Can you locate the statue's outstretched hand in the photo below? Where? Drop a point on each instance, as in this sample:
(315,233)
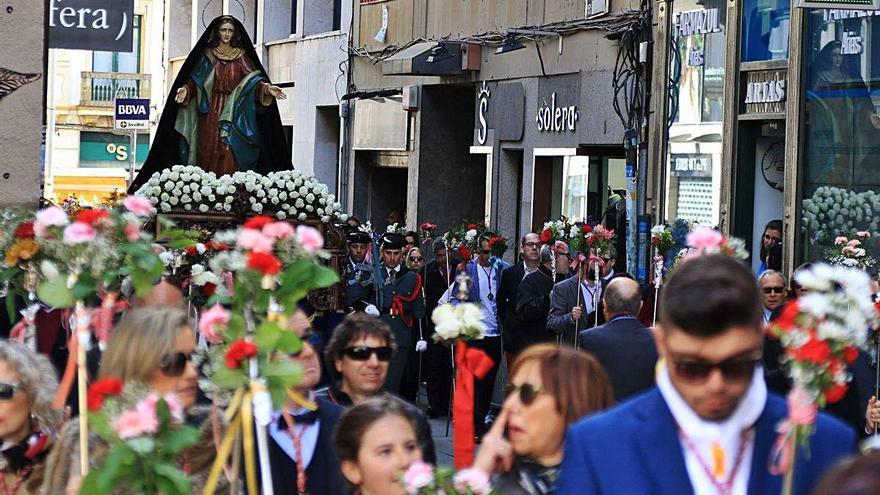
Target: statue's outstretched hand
(181,95)
(276,92)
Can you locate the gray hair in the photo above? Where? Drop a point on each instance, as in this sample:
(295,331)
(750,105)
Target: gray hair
(546,253)
(37,379)
(767,273)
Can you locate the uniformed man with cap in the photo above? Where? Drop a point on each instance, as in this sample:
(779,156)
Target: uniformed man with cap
(359,287)
(400,304)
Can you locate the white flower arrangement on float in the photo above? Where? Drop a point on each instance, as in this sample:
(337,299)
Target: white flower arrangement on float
(832,209)
(288,194)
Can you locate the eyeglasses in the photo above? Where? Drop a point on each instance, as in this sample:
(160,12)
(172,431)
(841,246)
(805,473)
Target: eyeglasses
(363,353)
(562,254)
(417,259)
(173,365)
(773,290)
(733,370)
(527,392)
(532,245)
(8,390)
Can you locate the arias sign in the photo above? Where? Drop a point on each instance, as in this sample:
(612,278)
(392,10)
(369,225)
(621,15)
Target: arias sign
(100,25)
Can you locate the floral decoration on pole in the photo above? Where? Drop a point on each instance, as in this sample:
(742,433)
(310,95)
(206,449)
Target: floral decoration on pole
(821,332)
(424,479)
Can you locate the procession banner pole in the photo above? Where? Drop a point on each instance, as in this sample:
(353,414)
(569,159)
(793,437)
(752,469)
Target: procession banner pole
(82,335)
(577,300)
(596,293)
(658,280)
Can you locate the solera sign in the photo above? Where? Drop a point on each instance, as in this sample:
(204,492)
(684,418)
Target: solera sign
(102,25)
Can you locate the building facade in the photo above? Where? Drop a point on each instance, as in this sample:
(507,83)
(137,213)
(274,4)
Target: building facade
(772,113)
(486,110)
(85,156)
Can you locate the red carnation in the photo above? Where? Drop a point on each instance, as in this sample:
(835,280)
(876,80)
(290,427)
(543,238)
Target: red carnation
(216,246)
(788,316)
(92,217)
(238,351)
(209,289)
(101,389)
(191,250)
(496,239)
(264,263)
(850,354)
(464,252)
(835,393)
(25,231)
(472,226)
(586,229)
(258,222)
(546,235)
(655,241)
(815,351)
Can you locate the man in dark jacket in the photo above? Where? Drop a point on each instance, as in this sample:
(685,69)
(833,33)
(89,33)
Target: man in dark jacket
(437,370)
(508,290)
(624,346)
(533,299)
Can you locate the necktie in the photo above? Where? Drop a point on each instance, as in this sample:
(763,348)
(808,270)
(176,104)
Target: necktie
(303,419)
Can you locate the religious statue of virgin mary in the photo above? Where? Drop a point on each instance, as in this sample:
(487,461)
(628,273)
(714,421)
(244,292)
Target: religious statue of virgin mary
(222,113)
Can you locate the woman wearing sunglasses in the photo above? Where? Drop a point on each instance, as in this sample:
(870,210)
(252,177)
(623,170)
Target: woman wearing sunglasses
(152,346)
(523,449)
(376,442)
(27,421)
(415,260)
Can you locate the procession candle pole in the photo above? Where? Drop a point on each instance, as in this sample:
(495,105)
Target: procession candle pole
(596,293)
(82,336)
(577,301)
(658,281)
(262,437)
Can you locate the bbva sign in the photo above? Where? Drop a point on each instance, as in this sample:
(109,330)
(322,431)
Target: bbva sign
(102,25)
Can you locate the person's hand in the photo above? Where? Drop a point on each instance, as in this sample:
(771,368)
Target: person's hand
(181,95)
(496,453)
(576,313)
(872,415)
(276,92)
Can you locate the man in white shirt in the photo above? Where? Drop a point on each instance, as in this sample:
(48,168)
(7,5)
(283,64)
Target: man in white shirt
(709,426)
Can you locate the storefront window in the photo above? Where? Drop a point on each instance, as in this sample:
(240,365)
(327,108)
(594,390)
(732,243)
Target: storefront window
(841,165)
(765,27)
(108,150)
(696,98)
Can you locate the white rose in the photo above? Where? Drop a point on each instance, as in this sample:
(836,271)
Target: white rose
(165,207)
(281,215)
(196,269)
(310,198)
(227,207)
(50,271)
(203,208)
(301,216)
(188,207)
(196,197)
(164,197)
(446,322)
(471,315)
(174,201)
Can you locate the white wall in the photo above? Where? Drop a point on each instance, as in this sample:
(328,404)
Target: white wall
(768,201)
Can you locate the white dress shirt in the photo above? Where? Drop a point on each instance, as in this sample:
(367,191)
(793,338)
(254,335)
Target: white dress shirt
(308,435)
(727,434)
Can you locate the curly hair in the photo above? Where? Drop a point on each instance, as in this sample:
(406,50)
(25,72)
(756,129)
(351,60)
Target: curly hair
(38,381)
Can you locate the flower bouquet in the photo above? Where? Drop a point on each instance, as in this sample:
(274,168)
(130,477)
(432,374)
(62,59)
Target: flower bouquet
(558,231)
(463,237)
(274,267)
(821,333)
(587,239)
(426,231)
(463,321)
(849,251)
(423,479)
(661,238)
(20,272)
(395,228)
(146,435)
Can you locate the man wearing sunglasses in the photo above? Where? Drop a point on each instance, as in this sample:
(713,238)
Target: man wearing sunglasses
(301,447)
(772,286)
(359,353)
(710,424)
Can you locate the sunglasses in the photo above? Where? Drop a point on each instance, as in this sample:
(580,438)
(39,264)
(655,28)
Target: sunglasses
(363,353)
(8,389)
(417,259)
(773,290)
(173,365)
(733,370)
(527,392)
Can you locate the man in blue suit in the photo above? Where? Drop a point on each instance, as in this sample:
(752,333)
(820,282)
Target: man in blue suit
(484,274)
(709,426)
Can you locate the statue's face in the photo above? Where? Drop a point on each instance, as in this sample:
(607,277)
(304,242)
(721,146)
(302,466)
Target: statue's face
(226,32)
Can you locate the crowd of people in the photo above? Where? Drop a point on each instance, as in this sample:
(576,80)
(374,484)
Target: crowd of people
(596,401)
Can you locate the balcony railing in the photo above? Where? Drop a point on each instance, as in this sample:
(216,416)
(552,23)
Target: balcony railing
(99,89)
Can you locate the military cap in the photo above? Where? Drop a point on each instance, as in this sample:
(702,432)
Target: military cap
(391,240)
(358,237)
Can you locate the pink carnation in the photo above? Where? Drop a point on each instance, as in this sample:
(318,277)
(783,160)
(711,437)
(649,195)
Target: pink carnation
(135,423)
(705,239)
(147,406)
(419,475)
(310,239)
(78,233)
(840,240)
(863,233)
(848,250)
(802,409)
(474,480)
(215,317)
(854,243)
(132,232)
(255,241)
(49,217)
(278,230)
(138,205)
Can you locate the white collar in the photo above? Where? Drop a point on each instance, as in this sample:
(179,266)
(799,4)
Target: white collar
(529,270)
(395,269)
(744,416)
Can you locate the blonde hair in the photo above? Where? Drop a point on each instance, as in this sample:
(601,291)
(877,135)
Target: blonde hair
(37,379)
(139,342)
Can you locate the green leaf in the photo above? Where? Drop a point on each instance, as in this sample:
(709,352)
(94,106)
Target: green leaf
(142,445)
(170,480)
(56,294)
(118,458)
(284,368)
(101,425)
(10,306)
(229,379)
(323,277)
(162,413)
(142,282)
(182,438)
(90,484)
(289,343)
(267,336)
